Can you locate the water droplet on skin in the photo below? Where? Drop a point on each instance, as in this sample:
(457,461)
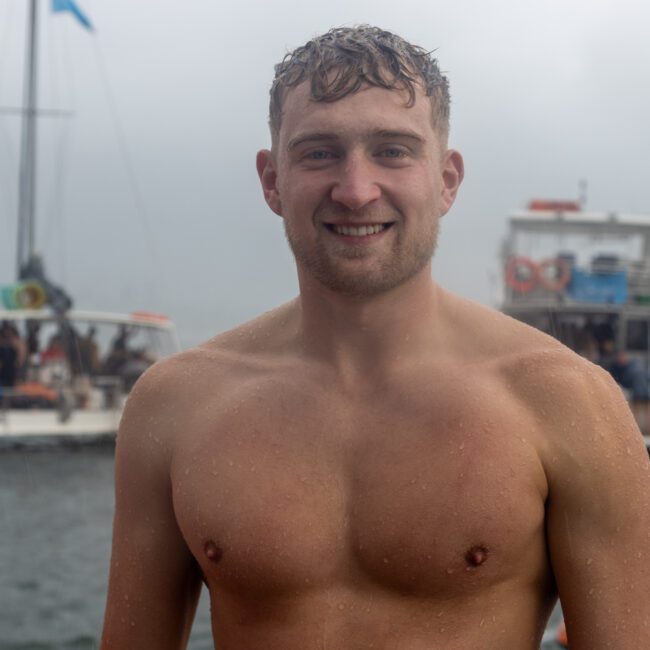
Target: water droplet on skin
(589,561)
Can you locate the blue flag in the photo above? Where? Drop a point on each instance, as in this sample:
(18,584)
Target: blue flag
(69,5)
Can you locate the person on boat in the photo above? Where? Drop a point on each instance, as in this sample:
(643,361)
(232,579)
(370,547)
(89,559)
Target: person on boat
(9,362)
(13,336)
(54,367)
(378,463)
(89,353)
(118,353)
(631,375)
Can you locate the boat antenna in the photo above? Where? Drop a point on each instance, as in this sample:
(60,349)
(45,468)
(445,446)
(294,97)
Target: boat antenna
(582,193)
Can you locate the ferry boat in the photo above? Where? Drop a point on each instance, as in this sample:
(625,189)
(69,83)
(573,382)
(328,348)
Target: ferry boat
(64,374)
(584,278)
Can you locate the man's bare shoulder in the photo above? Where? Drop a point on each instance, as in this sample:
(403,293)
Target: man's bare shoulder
(248,346)
(569,396)
(268,336)
(175,385)
(487,335)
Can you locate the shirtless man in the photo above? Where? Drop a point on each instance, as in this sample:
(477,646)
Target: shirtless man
(378,463)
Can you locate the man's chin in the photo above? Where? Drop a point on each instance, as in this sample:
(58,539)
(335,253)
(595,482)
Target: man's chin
(358,282)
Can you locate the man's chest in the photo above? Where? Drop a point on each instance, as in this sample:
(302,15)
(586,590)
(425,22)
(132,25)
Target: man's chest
(422,497)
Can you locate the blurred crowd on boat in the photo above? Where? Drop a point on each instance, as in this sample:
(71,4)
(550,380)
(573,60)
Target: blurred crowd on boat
(598,344)
(35,370)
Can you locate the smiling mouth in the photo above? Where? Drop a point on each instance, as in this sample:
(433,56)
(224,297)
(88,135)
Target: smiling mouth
(358,231)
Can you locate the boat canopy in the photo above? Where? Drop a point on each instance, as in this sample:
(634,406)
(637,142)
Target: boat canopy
(141,319)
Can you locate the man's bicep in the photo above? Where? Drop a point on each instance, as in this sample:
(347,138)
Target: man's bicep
(598,527)
(154,580)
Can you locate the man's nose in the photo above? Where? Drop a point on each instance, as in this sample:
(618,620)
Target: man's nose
(357,184)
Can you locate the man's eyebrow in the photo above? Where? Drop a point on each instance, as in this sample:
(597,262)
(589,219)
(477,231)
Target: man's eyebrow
(411,135)
(310,137)
(317,136)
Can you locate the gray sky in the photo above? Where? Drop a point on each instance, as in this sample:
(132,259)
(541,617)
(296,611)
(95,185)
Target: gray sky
(545,93)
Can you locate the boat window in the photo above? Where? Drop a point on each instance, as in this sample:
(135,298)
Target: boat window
(541,243)
(636,337)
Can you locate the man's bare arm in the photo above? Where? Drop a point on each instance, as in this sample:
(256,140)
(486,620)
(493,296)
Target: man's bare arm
(154,580)
(598,520)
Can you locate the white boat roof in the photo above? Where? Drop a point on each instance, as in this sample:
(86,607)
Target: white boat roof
(578,217)
(141,319)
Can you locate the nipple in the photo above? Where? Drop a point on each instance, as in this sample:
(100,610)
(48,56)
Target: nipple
(476,556)
(212,551)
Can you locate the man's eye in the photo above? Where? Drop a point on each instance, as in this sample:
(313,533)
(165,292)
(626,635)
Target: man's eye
(319,154)
(392,152)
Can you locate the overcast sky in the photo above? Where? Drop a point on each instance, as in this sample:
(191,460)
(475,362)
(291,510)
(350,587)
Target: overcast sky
(148,196)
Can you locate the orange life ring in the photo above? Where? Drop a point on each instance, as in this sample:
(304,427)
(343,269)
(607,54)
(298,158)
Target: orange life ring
(562,276)
(513,272)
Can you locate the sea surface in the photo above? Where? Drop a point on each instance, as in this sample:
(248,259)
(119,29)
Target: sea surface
(56,511)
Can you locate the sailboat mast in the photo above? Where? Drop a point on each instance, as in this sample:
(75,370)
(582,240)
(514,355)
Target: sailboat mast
(27,189)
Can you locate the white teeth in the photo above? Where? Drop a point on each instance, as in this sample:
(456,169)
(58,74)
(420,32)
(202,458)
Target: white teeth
(359,231)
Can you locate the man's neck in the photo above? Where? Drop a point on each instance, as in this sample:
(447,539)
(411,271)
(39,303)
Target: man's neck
(358,335)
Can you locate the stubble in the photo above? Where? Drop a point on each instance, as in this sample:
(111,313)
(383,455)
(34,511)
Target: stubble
(368,270)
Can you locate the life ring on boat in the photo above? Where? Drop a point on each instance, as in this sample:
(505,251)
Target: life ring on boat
(517,267)
(560,277)
(30,295)
(23,295)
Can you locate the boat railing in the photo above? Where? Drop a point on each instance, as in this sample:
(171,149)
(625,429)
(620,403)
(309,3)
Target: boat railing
(64,397)
(606,281)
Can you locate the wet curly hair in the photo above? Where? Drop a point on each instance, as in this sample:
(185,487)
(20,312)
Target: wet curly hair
(339,62)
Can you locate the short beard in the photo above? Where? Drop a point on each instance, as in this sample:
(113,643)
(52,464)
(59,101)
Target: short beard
(327,265)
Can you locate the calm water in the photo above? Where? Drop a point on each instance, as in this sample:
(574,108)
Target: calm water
(56,511)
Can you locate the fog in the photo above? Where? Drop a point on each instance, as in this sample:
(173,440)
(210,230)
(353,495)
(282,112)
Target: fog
(148,196)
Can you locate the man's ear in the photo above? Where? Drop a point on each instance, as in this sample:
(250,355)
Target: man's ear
(266,170)
(453,171)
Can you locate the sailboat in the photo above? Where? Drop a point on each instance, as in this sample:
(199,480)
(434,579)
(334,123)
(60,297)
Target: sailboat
(64,373)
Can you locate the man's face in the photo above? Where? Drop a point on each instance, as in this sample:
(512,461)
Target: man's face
(361,184)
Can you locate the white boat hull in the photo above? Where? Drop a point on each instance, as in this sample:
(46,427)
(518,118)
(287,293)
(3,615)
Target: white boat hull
(19,426)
